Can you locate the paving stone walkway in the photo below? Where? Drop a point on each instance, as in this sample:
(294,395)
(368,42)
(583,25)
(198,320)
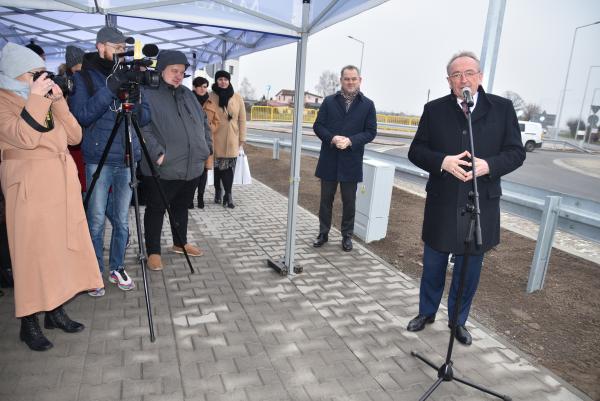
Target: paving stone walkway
(236,330)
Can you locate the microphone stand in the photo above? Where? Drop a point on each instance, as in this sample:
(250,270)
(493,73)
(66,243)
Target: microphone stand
(445,372)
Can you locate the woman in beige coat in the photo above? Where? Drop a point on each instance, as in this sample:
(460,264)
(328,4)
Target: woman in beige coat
(230,137)
(51,251)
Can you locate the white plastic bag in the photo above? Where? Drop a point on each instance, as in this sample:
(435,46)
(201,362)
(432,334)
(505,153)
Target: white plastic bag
(242,170)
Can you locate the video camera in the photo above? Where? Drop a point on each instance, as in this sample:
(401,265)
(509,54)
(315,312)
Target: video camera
(136,70)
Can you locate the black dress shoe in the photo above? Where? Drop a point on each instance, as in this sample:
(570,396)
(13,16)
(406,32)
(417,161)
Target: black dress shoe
(200,203)
(347,244)
(58,319)
(228,201)
(419,322)
(463,336)
(32,335)
(321,239)
(218,196)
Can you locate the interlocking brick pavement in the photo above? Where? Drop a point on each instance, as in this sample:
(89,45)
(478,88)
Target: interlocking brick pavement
(236,330)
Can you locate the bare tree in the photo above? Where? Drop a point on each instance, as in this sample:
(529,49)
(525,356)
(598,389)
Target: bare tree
(516,99)
(246,90)
(530,110)
(328,84)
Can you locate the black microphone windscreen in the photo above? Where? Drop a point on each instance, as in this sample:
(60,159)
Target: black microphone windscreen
(150,50)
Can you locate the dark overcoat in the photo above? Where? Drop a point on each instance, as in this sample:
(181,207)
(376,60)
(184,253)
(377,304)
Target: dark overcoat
(443,131)
(359,124)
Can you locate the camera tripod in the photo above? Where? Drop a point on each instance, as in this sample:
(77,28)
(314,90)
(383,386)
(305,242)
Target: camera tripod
(445,372)
(125,114)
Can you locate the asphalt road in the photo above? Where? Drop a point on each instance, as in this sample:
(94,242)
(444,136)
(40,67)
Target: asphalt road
(540,169)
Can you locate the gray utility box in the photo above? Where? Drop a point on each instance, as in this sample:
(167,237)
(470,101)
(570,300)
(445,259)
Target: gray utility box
(373,198)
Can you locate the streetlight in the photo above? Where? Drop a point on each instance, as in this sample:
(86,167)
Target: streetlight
(587,82)
(562,100)
(362,51)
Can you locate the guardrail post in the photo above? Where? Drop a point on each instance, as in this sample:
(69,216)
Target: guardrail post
(276,147)
(543,247)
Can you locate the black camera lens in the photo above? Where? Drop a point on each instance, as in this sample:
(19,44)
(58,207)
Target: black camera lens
(64,83)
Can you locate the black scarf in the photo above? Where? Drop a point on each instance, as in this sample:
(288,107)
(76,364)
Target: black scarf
(202,99)
(224,94)
(95,62)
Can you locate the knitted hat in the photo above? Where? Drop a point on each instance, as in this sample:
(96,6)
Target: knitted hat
(199,81)
(73,56)
(16,60)
(222,74)
(170,57)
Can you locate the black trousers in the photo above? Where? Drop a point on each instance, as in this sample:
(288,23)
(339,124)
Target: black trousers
(328,190)
(202,184)
(224,176)
(179,194)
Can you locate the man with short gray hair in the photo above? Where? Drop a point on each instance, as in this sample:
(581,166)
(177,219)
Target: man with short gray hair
(442,147)
(346,122)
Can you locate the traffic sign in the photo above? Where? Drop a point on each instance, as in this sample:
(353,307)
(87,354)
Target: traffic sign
(595,108)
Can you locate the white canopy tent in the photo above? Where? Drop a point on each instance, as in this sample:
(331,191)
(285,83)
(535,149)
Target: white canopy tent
(208,31)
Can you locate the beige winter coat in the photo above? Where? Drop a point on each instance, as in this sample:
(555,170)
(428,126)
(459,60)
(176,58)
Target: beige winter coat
(230,134)
(212,114)
(50,246)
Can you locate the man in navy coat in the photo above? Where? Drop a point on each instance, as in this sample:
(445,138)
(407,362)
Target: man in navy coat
(345,124)
(441,147)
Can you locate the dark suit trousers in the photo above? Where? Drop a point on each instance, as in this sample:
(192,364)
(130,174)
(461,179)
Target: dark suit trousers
(434,279)
(328,190)
(179,194)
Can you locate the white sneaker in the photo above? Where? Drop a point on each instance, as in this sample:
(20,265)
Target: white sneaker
(122,279)
(98,292)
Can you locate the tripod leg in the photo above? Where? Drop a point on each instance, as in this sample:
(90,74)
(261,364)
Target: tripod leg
(431,389)
(141,249)
(96,174)
(155,177)
(483,389)
(422,358)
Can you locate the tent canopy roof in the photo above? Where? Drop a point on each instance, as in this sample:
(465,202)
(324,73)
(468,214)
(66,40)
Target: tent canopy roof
(213,30)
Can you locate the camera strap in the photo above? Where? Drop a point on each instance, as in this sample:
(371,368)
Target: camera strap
(34,124)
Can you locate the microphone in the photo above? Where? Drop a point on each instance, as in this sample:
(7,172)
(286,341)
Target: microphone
(149,50)
(466,91)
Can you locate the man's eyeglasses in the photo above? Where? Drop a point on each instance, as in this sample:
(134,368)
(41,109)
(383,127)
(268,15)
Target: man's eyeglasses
(467,74)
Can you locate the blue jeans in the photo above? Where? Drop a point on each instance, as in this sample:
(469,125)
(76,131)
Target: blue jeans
(117,209)
(434,279)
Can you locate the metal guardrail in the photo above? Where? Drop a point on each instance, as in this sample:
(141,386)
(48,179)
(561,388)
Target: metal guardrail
(576,215)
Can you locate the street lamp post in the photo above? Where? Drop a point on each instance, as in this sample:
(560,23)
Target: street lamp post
(562,100)
(362,51)
(587,82)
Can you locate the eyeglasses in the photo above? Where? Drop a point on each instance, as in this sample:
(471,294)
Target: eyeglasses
(467,74)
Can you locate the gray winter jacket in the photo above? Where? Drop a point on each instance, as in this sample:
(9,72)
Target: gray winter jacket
(179,130)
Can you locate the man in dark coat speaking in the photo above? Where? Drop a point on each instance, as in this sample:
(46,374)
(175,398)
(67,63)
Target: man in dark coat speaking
(441,147)
(345,124)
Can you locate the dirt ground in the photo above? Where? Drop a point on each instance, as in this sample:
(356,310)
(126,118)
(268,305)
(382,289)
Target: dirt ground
(558,327)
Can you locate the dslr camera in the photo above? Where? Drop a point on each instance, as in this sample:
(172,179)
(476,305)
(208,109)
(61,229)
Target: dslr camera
(64,83)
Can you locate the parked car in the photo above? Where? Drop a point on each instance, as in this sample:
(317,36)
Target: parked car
(531,135)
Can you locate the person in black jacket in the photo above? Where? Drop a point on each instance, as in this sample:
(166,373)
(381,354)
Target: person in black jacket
(345,124)
(441,147)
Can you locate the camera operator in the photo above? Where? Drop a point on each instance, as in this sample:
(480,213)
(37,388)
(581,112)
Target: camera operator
(179,142)
(50,245)
(94,103)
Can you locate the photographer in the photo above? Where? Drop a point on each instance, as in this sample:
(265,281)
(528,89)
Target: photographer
(94,103)
(179,142)
(50,247)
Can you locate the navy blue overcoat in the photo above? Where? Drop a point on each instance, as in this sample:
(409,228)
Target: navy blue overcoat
(443,131)
(359,124)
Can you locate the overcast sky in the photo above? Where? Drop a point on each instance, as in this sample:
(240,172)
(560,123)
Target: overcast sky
(408,43)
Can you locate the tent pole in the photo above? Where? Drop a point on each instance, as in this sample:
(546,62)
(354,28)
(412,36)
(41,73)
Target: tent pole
(491,42)
(290,244)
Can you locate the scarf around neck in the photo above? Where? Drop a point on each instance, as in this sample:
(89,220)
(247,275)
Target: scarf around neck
(349,97)
(202,99)
(224,94)
(14,85)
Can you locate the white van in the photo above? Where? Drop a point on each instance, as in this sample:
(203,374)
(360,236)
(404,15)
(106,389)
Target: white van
(531,135)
